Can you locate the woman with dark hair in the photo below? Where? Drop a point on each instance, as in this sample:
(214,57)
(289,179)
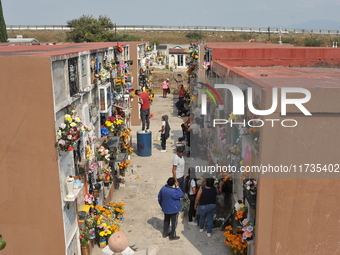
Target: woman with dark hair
(165,132)
(205,203)
(191,189)
(181,92)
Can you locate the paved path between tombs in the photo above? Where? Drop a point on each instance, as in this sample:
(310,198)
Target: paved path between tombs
(143,221)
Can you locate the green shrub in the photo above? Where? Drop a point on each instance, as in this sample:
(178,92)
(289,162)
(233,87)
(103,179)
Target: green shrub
(313,42)
(194,36)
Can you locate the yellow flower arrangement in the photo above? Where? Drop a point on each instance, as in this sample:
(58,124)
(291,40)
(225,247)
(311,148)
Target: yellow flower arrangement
(108,218)
(88,152)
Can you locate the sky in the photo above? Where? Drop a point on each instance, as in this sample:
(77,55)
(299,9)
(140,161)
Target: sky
(237,13)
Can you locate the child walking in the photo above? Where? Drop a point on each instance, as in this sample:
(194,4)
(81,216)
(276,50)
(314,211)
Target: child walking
(165,132)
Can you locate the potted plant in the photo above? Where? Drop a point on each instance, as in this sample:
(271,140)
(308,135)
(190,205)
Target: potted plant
(91,223)
(84,238)
(2,243)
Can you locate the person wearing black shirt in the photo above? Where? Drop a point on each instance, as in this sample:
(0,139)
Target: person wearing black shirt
(205,203)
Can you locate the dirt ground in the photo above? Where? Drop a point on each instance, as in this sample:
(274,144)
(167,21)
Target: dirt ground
(177,77)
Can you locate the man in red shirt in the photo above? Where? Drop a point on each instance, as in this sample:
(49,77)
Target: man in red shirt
(143,99)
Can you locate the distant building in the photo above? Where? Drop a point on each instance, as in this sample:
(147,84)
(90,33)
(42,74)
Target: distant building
(22,40)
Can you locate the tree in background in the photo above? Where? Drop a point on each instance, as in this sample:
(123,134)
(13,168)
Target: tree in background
(89,29)
(3,31)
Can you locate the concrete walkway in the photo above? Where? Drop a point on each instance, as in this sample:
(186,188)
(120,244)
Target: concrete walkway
(143,221)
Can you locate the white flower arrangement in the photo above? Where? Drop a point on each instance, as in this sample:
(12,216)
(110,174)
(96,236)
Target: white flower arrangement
(104,74)
(251,185)
(239,206)
(69,178)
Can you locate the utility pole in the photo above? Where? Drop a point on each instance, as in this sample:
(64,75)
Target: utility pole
(268,34)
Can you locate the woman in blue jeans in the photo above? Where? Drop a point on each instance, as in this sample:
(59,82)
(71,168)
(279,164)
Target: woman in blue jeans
(205,203)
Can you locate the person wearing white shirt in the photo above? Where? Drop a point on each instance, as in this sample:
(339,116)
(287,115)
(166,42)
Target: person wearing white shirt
(178,167)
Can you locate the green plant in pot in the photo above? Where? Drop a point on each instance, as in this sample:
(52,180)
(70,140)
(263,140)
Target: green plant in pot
(84,236)
(2,243)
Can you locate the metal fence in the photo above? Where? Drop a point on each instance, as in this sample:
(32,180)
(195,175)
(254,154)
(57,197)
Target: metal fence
(187,28)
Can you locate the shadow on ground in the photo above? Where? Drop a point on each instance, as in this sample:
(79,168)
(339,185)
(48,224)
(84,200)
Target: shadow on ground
(156,223)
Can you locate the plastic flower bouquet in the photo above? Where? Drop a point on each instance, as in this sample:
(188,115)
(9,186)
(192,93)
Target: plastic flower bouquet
(247,229)
(240,209)
(69,131)
(115,124)
(104,74)
(102,153)
(251,185)
(88,198)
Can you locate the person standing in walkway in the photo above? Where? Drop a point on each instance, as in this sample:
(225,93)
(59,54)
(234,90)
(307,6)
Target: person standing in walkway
(169,199)
(205,203)
(191,190)
(194,136)
(165,132)
(165,87)
(181,92)
(143,99)
(178,167)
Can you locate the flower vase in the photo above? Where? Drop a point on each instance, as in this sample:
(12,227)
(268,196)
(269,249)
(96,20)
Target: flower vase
(102,242)
(92,233)
(181,214)
(69,188)
(252,192)
(85,250)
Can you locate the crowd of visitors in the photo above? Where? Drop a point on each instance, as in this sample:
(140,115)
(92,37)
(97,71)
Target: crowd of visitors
(201,193)
(183,185)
